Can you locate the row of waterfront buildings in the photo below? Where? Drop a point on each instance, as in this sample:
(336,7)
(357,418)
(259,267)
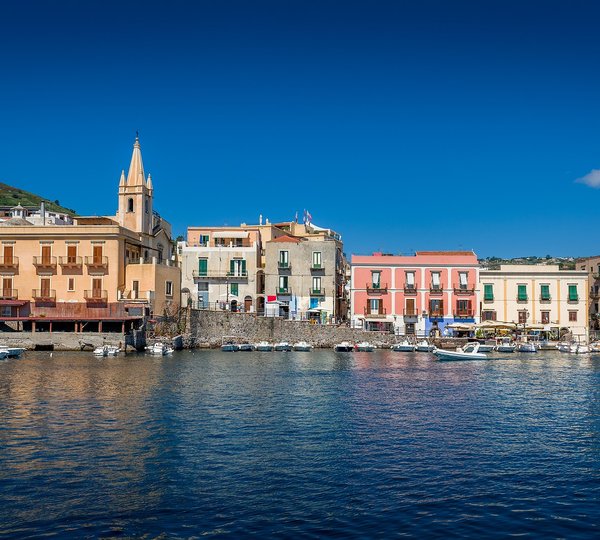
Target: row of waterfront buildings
(103,273)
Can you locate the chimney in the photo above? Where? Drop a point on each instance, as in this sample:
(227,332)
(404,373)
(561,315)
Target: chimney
(43,212)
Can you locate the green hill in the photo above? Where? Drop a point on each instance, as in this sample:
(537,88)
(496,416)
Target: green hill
(11,196)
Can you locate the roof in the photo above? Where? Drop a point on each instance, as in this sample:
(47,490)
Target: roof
(16,222)
(444,253)
(286,238)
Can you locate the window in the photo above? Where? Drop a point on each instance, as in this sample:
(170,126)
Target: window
(203,286)
(376,279)
(284,259)
(237,267)
(572,316)
(71,286)
(46,254)
(146,206)
(316,259)
(130,204)
(235,289)
(219,242)
(523,317)
(463,307)
(488,315)
(545,317)
(316,285)
(44,287)
(522,293)
(463,279)
(7,287)
(435,280)
(283,284)
(135,288)
(436,308)
(97,254)
(410,307)
(375,306)
(202,267)
(410,280)
(8,255)
(71,254)
(5,311)
(203,240)
(573,296)
(545,292)
(169,288)
(488,292)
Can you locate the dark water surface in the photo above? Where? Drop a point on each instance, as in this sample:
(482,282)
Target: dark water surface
(315,444)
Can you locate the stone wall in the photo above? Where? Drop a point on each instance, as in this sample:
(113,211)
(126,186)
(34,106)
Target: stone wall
(59,341)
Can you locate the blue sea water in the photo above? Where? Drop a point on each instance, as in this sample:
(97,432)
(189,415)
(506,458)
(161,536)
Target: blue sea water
(289,445)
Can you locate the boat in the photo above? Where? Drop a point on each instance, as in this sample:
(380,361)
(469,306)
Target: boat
(101,351)
(595,346)
(344,346)
(365,346)
(245,347)
(283,346)
(12,352)
(469,352)
(230,347)
(487,346)
(506,345)
(575,348)
(302,346)
(526,346)
(112,350)
(403,346)
(264,346)
(3,355)
(424,346)
(159,349)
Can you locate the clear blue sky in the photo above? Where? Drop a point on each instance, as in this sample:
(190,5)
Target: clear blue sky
(403,125)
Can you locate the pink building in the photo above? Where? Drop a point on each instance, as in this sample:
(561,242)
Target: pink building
(417,294)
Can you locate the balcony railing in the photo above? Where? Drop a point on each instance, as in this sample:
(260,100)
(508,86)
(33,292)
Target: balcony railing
(464,314)
(70,262)
(317,266)
(9,294)
(375,288)
(96,295)
(522,298)
(97,261)
(43,294)
(436,290)
(9,262)
(410,289)
(461,288)
(284,265)
(220,275)
(436,314)
(135,296)
(44,262)
(545,298)
(284,290)
(238,274)
(411,313)
(381,312)
(317,292)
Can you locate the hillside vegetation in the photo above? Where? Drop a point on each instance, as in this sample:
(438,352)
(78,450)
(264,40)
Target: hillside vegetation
(12,196)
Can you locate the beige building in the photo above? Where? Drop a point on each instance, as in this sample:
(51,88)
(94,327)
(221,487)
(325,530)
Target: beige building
(591,265)
(543,296)
(96,273)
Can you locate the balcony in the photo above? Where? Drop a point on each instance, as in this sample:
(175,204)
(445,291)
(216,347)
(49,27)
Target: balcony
(136,296)
(436,314)
(410,289)
(381,312)
(545,298)
(317,292)
(284,290)
(9,263)
(197,274)
(48,295)
(374,288)
(317,266)
(98,296)
(44,262)
(464,314)
(284,265)
(436,290)
(97,262)
(9,294)
(411,313)
(461,288)
(70,262)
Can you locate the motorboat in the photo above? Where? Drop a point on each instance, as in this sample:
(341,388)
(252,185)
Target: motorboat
(230,347)
(344,346)
(302,346)
(283,346)
(403,346)
(12,352)
(506,345)
(159,349)
(101,351)
(469,352)
(264,346)
(3,355)
(245,347)
(112,350)
(575,348)
(365,346)
(526,346)
(424,346)
(595,346)
(487,346)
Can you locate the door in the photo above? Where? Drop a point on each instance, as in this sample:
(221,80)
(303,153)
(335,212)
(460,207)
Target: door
(71,254)
(45,287)
(248,304)
(8,254)
(46,254)
(96,286)
(97,254)
(7,288)
(136,289)
(410,307)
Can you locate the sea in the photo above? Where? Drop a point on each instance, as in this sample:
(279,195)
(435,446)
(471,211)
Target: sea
(208,444)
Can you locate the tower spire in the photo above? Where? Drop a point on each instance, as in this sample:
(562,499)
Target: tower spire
(135,176)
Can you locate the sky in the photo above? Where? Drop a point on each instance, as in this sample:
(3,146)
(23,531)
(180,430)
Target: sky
(402,125)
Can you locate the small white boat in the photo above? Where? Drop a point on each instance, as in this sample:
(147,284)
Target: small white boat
(469,352)
(246,347)
(302,346)
(574,348)
(365,346)
(159,349)
(101,351)
(403,346)
(506,345)
(230,347)
(283,346)
(12,352)
(526,346)
(424,346)
(487,346)
(264,346)
(112,350)
(595,346)
(344,346)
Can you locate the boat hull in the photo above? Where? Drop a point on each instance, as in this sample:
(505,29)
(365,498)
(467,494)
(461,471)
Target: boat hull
(456,355)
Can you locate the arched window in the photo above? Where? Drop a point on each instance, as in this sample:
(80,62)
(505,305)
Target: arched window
(130,204)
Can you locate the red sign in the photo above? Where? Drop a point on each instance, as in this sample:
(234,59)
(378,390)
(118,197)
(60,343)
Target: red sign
(271,298)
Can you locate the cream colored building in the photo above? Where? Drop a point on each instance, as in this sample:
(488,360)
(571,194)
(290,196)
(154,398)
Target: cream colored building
(540,295)
(96,273)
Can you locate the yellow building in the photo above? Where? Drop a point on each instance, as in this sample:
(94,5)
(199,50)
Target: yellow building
(98,273)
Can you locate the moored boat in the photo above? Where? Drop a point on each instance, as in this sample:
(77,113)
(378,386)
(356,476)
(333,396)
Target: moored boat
(245,347)
(365,346)
(526,346)
(506,345)
(469,352)
(101,351)
(264,346)
(403,346)
(159,349)
(487,346)
(302,346)
(344,346)
(12,352)
(424,346)
(230,347)
(3,355)
(282,346)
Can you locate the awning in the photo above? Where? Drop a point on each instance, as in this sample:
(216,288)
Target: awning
(230,234)
(13,302)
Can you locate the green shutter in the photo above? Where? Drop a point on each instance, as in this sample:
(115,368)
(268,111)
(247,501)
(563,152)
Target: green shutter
(488,292)
(231,267)
(573,296)
(545,292)
(244,267)
(234,289)
(522,294)
(202,267)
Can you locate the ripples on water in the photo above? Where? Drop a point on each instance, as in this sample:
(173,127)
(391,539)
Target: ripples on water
(299,444)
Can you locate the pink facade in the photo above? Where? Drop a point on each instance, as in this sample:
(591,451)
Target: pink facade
(440,286)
